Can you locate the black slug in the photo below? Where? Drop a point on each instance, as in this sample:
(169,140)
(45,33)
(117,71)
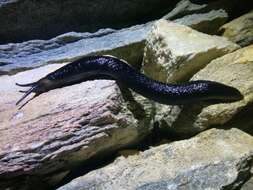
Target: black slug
(108,67)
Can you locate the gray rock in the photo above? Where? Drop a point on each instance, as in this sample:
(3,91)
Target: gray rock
(26,20)
(189,7)
(65,127)
(205,22)
(127,44)
(185,7)
(174,52)
(248,185)
(215,159)
(240,30)
(234,69)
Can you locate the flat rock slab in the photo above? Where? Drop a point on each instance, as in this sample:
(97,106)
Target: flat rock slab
(239,30)
(174,52)
(234,69)
(64,127)
(126,44)
(215,159)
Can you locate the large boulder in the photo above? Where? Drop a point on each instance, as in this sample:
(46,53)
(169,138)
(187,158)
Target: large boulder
(63,128)
(234,69)
(126,44)
(25,20)
(215,159)
(239,30)
(175,52)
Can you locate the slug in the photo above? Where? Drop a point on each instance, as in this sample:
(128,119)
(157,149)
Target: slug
(108,67)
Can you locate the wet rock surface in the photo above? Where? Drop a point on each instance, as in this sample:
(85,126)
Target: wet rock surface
(215,159)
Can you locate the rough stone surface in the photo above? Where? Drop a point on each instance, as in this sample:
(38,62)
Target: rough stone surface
(205,22)
(175,52)
(248,185)
(234,69)
(64,127)
(185,7)
(189,7)
(240,30)
(215,159)
(49,18)
(127,44)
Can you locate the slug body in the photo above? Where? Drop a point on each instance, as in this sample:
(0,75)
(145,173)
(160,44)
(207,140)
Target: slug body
(107,67)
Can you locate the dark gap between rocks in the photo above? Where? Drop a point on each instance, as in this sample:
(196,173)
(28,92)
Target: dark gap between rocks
(46,19)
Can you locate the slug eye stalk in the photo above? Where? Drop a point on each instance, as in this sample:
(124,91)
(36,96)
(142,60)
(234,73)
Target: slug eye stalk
(33,89)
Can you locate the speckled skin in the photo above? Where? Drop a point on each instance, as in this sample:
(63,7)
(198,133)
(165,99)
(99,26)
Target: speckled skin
(108,67)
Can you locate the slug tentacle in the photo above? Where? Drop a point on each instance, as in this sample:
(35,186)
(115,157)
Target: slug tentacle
(33,89)
(108,67)
(28,101)
(23,91)
(25,85)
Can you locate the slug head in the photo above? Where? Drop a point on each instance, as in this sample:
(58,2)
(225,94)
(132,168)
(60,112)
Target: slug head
(38,88)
